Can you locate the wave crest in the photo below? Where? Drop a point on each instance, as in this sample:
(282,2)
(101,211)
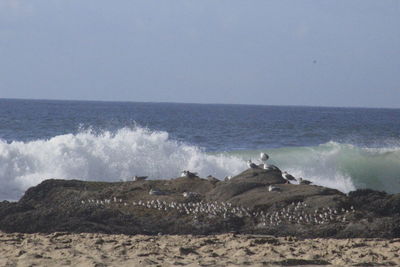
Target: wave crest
(119,155)
(106,156)
(341,166)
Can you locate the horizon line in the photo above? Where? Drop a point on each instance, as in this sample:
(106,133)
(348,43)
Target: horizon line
(192,103)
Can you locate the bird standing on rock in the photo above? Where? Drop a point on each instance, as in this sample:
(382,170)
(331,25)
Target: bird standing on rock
(264,157)
(155,192)
(273,188)
(288,177)
(302,181)
(139,178)
(251,165)
(188,174)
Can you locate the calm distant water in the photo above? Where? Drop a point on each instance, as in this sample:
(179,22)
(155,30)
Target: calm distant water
(212,127)
(338,147)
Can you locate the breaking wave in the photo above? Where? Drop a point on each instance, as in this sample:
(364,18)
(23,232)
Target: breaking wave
(119,155)
(108,156)
(345,167)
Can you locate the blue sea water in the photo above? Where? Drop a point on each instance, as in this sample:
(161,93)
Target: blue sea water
(344,148)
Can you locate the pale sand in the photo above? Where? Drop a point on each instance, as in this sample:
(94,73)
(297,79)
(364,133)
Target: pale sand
(59,249)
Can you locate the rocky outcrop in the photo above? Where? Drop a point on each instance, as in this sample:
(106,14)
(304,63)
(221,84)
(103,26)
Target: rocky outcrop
(242,204)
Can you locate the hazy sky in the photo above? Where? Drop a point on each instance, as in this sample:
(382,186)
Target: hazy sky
(325,53)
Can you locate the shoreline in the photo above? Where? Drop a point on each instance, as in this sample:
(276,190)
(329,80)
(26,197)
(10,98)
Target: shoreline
(94,249)
(193,221)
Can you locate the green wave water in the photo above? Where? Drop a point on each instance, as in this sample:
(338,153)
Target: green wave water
(342,166)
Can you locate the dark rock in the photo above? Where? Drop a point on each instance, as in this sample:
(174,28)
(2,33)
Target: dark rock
(56,206)
(260,176)
(376,202)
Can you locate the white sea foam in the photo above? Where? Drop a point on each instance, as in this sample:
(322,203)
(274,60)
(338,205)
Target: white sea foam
(114,156)
(105,157)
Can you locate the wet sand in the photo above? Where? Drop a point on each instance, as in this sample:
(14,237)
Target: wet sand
(64,249)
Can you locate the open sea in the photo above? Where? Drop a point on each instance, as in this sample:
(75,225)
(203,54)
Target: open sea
(342,148)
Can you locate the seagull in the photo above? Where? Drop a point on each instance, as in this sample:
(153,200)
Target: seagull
(190,194)
(264,157)
(302,181)
(273,188)
(267,167)
(252,165)
(155,192)
(188,174)
(288,177)
(227,178)
(139,178)
(270,167)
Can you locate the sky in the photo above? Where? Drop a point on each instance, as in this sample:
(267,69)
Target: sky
(299,52)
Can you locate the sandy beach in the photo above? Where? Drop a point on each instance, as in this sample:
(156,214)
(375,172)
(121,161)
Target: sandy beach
(65,249)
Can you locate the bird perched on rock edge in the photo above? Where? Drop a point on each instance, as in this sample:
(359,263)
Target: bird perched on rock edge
(288,177)
(251,165)
(264,157)
(139,178)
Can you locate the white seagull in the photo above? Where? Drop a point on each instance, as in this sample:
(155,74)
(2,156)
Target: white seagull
(273,188)
(264,157)
(268,167)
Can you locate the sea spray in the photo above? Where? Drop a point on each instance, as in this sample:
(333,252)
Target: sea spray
(106,156)
(121,154)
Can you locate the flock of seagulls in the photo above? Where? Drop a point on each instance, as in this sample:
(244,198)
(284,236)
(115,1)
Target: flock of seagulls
(263,157)
(300,213)
(285,175)
(264,165)
(295,213)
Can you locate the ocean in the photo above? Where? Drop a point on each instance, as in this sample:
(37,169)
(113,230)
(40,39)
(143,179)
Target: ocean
(342,148)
